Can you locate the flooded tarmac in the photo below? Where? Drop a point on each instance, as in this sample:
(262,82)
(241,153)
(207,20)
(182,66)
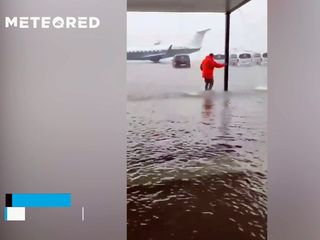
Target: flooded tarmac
(196,161)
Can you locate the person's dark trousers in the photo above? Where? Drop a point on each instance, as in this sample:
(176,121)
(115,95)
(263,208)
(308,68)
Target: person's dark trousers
(208,84)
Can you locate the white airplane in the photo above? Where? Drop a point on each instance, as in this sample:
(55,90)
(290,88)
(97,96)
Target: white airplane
(158,52)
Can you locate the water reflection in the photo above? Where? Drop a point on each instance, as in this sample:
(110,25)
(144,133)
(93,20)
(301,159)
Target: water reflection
(208,106)
(226,115)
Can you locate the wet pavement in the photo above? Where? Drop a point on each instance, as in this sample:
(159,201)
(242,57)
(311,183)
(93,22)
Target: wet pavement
(196,161)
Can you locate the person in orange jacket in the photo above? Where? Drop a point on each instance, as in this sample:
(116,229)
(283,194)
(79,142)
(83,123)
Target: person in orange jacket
(207,66)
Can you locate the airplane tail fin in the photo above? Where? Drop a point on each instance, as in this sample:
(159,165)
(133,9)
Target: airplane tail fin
(197,39)
(169,49)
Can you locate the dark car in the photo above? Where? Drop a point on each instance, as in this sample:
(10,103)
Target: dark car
(181,60)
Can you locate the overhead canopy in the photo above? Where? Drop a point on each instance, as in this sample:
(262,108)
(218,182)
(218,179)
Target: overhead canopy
(220,6)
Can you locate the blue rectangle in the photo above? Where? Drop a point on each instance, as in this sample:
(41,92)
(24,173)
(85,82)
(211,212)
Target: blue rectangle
(6,214)
(41,200)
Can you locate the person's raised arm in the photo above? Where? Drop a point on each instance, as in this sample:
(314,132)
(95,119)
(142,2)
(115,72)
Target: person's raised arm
(218,65)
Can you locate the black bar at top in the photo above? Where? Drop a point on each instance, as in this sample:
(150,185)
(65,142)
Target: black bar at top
(9,200)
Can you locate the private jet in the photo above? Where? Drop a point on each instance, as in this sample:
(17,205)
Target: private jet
(158,52)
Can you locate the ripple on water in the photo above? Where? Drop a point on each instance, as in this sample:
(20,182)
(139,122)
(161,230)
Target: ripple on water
(189,180)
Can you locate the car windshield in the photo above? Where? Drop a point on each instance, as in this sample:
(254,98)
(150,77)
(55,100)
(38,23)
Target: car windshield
(233,56)
(182,57)
(265,55)
(244,56)
(257,55)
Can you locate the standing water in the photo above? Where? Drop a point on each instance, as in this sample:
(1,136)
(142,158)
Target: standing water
(196,161)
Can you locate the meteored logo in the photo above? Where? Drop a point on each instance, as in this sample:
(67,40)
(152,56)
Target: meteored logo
(52,22)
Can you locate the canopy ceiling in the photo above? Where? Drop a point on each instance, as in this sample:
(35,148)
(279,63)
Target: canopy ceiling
(220,6)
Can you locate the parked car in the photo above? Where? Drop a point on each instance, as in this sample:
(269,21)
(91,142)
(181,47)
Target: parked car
(257,58)
(233,59)
(219,58)
(264,58)
(181,60)
(244,59)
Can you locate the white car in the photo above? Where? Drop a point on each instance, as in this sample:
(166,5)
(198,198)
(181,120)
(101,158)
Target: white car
(257,58)
(233,59)
(264,59)
(244,59)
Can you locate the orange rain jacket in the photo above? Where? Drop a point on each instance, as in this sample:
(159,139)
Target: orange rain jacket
(208,65)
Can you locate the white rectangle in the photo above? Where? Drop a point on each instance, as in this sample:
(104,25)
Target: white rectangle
(82,214)
(15,214)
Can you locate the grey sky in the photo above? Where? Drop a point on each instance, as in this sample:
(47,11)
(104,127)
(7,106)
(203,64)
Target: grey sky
(248,28)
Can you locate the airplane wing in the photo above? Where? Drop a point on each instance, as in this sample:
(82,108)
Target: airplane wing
(157,56)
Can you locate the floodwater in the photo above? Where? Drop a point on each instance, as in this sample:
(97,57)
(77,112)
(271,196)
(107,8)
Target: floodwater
(196,161)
